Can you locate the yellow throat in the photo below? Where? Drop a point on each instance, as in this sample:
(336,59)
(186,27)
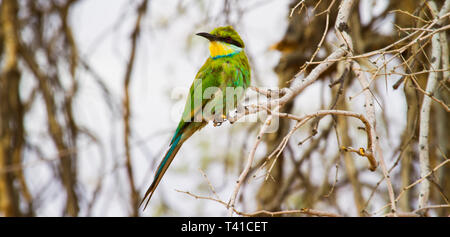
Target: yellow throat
(220,49)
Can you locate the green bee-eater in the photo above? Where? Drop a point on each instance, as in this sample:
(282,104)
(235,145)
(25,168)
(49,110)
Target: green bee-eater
(226,68)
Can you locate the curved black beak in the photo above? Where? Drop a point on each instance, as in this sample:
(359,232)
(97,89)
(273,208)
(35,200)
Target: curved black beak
(208,36)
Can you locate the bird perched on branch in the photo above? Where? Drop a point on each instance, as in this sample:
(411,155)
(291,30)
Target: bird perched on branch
(216,90)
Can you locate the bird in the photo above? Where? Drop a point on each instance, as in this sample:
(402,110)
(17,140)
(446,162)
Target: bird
(227,67)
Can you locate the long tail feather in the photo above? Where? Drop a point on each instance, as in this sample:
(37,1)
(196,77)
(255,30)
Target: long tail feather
(181,135)
(173,150)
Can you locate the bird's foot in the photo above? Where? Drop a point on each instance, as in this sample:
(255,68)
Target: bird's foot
(219,121)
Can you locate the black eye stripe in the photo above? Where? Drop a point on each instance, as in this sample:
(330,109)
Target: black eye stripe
(230,41)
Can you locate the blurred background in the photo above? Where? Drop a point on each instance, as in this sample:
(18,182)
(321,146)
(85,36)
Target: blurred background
(92,91)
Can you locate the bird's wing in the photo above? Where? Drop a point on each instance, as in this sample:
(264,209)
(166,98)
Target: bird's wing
(208,78)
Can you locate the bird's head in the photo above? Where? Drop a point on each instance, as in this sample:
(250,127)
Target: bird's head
(223,42)
(224,34)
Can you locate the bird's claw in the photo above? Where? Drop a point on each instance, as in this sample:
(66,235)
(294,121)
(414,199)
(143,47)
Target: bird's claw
(219,122)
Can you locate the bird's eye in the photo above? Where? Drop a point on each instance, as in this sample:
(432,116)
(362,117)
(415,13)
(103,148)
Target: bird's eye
(229,40)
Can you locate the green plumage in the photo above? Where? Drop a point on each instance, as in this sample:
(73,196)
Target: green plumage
(217,73)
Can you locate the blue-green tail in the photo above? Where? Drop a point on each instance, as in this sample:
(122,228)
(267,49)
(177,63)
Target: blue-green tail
(174,147)
(183,132)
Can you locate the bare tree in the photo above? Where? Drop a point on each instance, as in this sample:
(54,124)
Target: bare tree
(317,163)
